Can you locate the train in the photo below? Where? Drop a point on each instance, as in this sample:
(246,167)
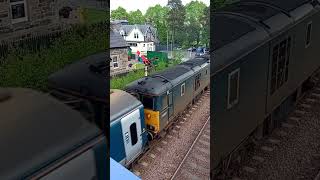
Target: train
(146,108)
(265,54)
(83,85)
(42,138)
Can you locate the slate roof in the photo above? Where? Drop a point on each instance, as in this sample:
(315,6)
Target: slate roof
(143,28)
(37,129)
(116,40)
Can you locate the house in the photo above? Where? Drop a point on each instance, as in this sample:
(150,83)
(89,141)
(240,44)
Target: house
(141,38)
(119,61)
(25,18)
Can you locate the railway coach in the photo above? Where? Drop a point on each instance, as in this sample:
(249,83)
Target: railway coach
(128,135)
(44,139)
(265,52)
(167,94)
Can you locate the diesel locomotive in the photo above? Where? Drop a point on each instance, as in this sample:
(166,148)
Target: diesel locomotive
(264,54)
(42,138)
(149,105)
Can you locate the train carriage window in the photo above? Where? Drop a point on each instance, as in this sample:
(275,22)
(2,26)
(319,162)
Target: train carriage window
(133,134)
(233,88)
(308,34)
(183,89)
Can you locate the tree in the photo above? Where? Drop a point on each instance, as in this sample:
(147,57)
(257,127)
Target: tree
(193,23)
(157,16)
(205,21)
(136,17)
(119,13)
(175,19)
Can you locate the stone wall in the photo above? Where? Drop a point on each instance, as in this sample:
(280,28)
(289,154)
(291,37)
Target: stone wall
(122,62)
(43,18)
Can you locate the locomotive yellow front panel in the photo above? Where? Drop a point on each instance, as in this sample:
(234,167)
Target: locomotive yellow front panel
(152,120)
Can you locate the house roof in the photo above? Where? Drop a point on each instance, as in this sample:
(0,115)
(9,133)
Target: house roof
(116,40)
(142,27)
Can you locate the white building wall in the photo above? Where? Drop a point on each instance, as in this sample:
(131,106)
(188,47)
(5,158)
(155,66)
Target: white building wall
(131,37)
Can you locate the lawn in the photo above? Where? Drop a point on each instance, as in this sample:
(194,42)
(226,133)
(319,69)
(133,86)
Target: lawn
(95,16)
(31,70)
(121,82)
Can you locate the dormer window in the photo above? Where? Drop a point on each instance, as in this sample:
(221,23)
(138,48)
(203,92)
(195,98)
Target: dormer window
(18,10)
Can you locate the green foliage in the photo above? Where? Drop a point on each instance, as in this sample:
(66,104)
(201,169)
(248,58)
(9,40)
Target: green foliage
(136,17)
(177,57)
(31,70)
(157,16)
(119,13)
(194,24)
(93,16)
(175,19)
(121,82)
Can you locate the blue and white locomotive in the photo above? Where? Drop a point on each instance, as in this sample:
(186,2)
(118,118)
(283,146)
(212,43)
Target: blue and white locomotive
(128,135)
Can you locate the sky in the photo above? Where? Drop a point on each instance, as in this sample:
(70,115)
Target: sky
(143,5)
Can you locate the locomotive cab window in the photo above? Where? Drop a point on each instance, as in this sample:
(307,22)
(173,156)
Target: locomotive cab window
(308,34)
(233,88)
(133,134)
(183,89)
(147,102)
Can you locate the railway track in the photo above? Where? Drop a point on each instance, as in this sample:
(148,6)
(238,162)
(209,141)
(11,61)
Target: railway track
(164,155)
(196,163)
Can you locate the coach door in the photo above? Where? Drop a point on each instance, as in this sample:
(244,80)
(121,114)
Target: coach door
(170,104)
(131,129)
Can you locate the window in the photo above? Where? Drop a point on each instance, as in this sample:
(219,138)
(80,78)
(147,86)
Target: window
(147,102)
(308,34)
(115,62)
(197,82)
(183,89)
(233,88)
(18,11)
(133,134)
(280,64)
(136,35)
(164,101)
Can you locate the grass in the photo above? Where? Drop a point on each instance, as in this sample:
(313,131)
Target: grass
(121,82)
(31,70)
(94,16)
